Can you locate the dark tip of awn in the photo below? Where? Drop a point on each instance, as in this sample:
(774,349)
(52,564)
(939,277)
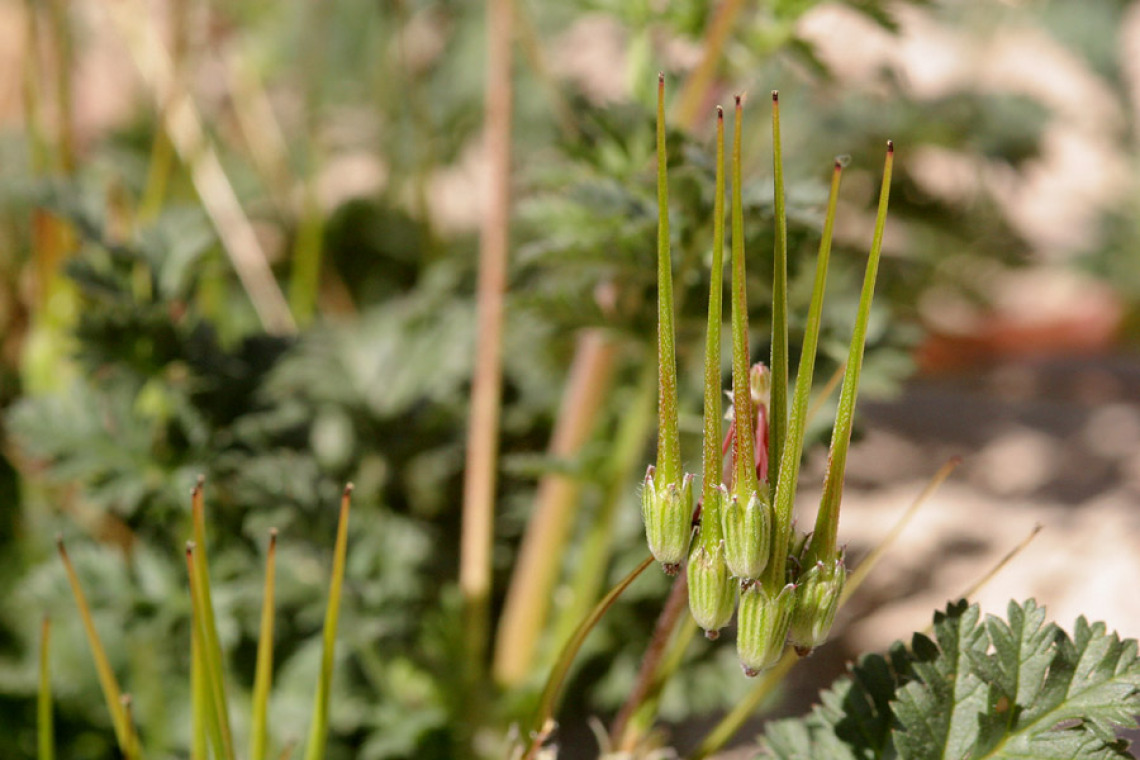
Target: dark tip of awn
(348,488)
(719,112)
(273,534)
(842,161)
(775,96)
(739,100)
(190,547)
(660,77)
(59,541)
(890,146)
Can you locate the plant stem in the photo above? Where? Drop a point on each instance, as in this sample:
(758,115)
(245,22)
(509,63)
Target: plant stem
(823,543)
(319,728)
(674,609)
(203,599)
(668,436)
(646,713)
(778,407)
(112,694)
(713,458)
(716,34)
(44,728)
(789,468)
(483,430)
(731,723)
(745,481)
(625,456)
(542,725)
(527,605)
(264,673)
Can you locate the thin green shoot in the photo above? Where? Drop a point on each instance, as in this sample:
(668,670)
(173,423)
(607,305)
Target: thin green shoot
(745,708)
(646,713)
(778,407)
(827,520)
(200,725)
(789,466)
(745,482)
(45,731)
(668,442)
(207,701)
(713,457)
(319,728)
(132,751)
(264,672)
(211,645)
(112,694)
(557,679)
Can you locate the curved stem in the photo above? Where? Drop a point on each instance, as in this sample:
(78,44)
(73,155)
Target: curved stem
(542,725)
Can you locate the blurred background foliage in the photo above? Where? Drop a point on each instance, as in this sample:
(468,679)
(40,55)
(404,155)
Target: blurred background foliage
(134,357)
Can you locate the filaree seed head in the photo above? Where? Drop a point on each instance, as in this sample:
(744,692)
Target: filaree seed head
(712,591)
(747,530)
(668,514)
(762,626)
(817,599)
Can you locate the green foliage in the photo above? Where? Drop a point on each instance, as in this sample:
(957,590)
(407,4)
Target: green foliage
(992,688)
(162,373)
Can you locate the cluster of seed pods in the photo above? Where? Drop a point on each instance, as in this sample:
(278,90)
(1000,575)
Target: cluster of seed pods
(744,553)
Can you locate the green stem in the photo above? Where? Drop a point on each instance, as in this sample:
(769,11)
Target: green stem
(778,408)
(669,442)
(622,733)
(789,470)
(200,725)
(745,483)
(258,734)
(319,728)
(646,713)
(731,723)
(211,645)
(542,725)
(710,533)
(697,85)
(112,694)
(44,729)
(823,542)
(215,719)
(628,445)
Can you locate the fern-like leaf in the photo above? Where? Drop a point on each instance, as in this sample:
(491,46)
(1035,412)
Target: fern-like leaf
(994,689)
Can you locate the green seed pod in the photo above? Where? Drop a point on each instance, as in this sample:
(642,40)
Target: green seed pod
(712,592)
(762,626)
(817,599)
(747,529)
(667,510)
